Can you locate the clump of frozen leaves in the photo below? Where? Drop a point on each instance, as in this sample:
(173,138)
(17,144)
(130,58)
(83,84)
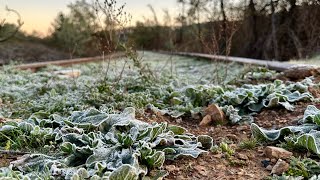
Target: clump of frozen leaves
(95,144)
(238,102)
(306,135)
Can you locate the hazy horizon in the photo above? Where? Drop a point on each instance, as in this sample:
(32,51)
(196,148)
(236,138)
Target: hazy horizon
(38,15)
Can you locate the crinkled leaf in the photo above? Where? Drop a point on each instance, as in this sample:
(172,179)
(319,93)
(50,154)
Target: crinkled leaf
(177,129)
(155,160)
(272,135)
(311,115)
(206,141)
(124,172)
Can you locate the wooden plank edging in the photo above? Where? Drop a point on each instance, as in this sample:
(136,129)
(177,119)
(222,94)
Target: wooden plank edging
(273,65)
(68,62)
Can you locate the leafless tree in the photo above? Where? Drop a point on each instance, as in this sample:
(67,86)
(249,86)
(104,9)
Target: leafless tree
(4,36)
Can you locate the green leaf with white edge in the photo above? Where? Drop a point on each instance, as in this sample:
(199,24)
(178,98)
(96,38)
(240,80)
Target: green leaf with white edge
(311,115)
(169,151)
(297,96)
(80,174)
(155,160)
(103,154)
(178,130)
(181,151)
(7,128)
(206,141)
(232,114)
(255,107)
(66,147)
(311,141)
(124,172)
(287,105)
(126,141)
(26,127)
(273,135)
(176,101)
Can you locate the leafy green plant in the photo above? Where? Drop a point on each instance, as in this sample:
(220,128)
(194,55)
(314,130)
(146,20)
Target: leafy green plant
(238,102)
(303,167)
(177,94)
(227,149)
(96,144)
(305,135)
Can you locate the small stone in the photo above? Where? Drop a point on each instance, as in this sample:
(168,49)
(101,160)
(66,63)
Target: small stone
(273,160)
(201,170)
(179,120)
(280,167)
(243,128)
(230,172)
(206,121)
(251,156)
(241,172)
(232,137)
(2,120)
(267,124)
(260,151)
(265,163)
(171,168)
(269,168)
(242,156)
(216,113)
(251,176)
(219,156)
(276,152)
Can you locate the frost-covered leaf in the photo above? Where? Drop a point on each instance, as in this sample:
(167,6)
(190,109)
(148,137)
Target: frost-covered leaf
(80,174)
(66,147)
(311,115)
(310,141)
(7,128)
(177,129)
(118,144)
(27,127)
(272,135)
(232,114)
(124,172)
(206,141)
(155,160)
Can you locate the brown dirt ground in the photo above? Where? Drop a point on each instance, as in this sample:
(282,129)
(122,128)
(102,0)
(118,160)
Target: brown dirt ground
(217,165)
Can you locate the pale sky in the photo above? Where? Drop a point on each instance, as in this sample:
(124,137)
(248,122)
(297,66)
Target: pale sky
(39,14)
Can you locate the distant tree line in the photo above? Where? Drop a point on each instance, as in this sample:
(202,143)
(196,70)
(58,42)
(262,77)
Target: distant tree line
(271,29)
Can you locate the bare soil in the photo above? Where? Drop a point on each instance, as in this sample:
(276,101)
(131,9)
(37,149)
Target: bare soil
(245,163)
